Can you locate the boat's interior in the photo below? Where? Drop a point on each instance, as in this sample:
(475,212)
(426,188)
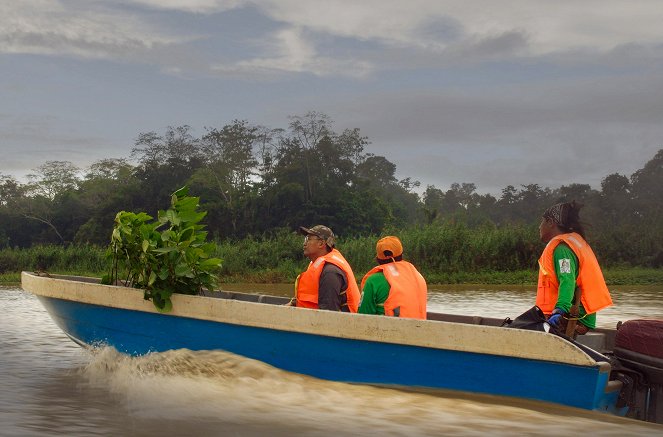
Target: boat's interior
(601,340)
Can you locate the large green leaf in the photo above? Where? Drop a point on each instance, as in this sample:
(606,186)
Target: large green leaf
(210,263)
(182,192)
(167,306)
(167,249)
(182,269)
(176,259)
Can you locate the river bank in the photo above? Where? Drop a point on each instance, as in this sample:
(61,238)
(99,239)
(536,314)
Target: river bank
(279,260)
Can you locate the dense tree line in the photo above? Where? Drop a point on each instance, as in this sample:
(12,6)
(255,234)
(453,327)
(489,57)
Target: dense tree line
(257,181)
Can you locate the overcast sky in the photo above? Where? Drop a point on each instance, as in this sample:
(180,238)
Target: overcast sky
(484,91)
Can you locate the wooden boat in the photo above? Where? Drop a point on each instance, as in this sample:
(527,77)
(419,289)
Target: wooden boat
(465,353)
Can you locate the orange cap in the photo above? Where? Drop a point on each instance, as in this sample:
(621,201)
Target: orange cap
(389,247)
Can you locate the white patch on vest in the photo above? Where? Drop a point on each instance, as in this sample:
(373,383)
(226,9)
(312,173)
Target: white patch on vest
(392,268)
(575,241)
(565,265)
(318,261)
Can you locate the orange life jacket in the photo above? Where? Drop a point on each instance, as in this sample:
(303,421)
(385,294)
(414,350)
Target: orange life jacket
(408,290)
(308,283)
(594,292)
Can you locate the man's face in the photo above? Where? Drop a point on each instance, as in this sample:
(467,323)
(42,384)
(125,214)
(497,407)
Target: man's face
(314,247)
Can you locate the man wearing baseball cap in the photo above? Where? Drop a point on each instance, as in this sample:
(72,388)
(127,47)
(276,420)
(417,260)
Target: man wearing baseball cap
(394,287)
(328,283)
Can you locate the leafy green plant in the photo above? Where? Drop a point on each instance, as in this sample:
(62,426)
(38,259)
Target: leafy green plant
(170,255)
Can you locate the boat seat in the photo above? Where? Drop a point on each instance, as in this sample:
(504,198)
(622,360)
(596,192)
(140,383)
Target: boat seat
(491,321)
(246,297)
(273,300)
(218,294)
(451,318)
(594,340)
(469,320)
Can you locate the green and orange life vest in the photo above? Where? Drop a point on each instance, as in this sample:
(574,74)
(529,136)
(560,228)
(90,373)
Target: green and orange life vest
(594,292)
(408,290)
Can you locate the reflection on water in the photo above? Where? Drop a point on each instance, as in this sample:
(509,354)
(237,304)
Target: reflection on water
(50,386)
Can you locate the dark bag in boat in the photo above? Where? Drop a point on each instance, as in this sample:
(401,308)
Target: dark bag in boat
(533,319)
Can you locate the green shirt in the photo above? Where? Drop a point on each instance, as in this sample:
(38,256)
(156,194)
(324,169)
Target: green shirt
(566,269)
(374,294)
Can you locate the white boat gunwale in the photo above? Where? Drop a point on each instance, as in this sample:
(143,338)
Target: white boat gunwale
(480,339)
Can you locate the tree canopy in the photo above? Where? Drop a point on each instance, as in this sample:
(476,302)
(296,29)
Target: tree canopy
(255,180)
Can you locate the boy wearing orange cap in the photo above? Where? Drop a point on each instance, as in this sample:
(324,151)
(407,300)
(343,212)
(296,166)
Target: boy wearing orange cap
(394,287)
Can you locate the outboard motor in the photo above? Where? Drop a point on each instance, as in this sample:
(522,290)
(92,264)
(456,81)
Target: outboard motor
(639,349)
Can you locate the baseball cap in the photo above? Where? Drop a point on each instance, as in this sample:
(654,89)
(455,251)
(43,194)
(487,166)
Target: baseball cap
(322,232)
(389,247)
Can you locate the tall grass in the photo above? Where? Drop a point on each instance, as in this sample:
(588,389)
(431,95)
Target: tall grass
(445,253)
(453,248)
(73,259)
(275,258)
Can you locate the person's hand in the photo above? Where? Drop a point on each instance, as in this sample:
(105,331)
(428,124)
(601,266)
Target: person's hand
(555,318)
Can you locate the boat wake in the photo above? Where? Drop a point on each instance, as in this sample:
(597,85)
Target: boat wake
(218,387)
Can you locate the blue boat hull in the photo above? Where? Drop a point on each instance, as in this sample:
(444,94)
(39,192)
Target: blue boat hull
(336,358)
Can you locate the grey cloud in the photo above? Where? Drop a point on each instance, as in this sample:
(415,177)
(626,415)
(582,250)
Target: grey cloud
(28,141)
(92,30)
(428,34)
(479,115)
(572,115)
(192,6)
(505,44)
(439,30)
(574,131)
(52,42)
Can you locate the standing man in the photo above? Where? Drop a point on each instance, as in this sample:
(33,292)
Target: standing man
(328,283)
(394,287)
(571,288)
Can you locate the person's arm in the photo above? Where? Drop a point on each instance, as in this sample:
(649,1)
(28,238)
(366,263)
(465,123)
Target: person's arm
(566,269)
(374,294)
(332,283)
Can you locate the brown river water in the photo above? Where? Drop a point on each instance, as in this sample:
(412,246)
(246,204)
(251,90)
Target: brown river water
(50,386)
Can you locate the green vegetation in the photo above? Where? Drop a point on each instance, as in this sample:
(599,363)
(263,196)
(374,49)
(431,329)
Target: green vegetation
(74,259)
(258,185)
(450,253)
(164,257)
(637,276)
(254,181)
(444,252)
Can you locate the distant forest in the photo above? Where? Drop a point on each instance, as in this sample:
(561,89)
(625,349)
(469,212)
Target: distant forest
(256,182)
